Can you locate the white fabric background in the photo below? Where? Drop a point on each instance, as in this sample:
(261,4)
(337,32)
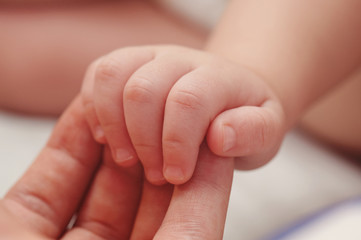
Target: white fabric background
(205,13)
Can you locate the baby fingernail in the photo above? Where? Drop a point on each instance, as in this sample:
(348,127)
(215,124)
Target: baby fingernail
(174,173)
(99,133)
(229,138)
(155,176)
(123,155)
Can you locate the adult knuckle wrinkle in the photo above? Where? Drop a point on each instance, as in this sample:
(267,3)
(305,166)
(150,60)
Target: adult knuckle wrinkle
(100,228)
(64,152)
(35,203)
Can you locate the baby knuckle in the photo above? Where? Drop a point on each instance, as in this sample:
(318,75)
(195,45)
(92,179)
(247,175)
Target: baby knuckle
(107,69)
(139,90)
(91,66)
(187,100)
(172,49)
(172,143)
(145,147)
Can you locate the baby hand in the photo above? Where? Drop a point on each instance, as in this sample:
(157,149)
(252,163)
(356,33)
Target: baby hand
(159,103)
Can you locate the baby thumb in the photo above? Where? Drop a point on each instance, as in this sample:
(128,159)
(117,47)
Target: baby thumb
(245,131)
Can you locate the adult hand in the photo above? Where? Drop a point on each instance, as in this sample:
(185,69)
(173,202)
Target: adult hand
(73,176)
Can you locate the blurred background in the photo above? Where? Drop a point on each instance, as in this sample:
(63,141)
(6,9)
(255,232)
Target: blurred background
(42,46)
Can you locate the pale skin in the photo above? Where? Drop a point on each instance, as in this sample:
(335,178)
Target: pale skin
(258,73)
(156,104)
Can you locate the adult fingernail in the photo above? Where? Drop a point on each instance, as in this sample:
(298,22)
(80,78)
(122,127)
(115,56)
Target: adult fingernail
(229,138)
(174,174)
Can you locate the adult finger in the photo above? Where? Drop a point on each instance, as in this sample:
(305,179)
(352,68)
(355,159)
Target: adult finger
(198,208)
(111,74)
(110,206)
(153,207)
(193,103)
(88,102)
(10,227)
(145,95)
(48,194)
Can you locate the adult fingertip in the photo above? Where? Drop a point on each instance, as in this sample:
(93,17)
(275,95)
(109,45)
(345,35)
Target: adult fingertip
(205,217)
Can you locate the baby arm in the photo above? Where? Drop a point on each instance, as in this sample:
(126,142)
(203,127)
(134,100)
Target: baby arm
(301,49)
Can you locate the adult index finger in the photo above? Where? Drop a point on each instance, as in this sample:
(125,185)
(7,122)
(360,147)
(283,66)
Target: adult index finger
(48,194)
(198,208)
